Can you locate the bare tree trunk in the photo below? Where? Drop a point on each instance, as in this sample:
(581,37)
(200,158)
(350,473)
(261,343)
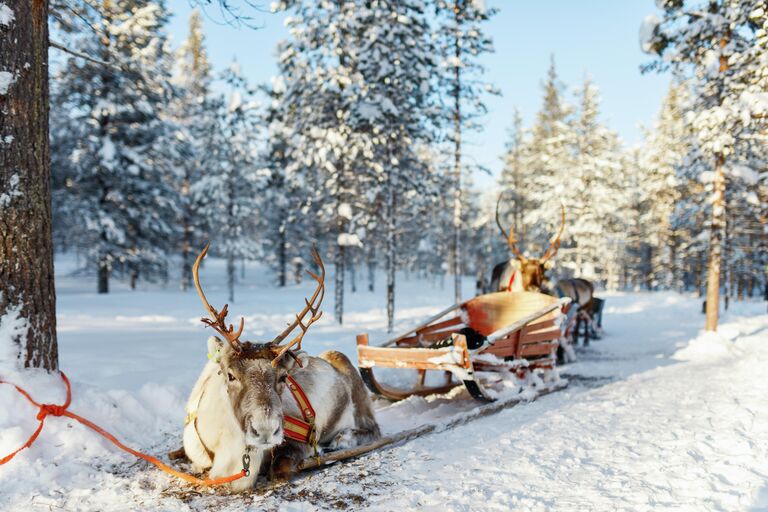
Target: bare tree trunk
(677,266)
(352,273)
(339,285)
(391,252)
(718,224)
(371,269)
(457,165)
(134,278)
(231,277)
(186,265)
(648,268)
(282,258)
(726,263)
(186,245)
(699,274)
(298,273)
(715,246)
(26,240)
(103,275)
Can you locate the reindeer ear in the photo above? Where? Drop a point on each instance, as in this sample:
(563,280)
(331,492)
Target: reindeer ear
(289,363)
(215,349)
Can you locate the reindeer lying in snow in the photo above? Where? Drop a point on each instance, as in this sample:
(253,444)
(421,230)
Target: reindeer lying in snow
(246,403)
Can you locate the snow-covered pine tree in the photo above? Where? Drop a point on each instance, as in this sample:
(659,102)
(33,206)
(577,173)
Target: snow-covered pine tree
(318,65)
(357,82)
(719,46)
(661,159)
(227,191)
(594,194)
(119,184)
(396,64)
(547,158)
(513,186)
(460,43)
(285,193)
(191,114)
(636,269)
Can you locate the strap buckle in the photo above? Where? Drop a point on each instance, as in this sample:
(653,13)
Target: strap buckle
(312,439)
(246,463)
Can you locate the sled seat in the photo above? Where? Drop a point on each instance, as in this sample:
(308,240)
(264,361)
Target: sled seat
(520,332)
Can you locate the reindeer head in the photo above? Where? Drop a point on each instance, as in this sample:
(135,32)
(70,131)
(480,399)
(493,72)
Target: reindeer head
(255,373)
(533,270)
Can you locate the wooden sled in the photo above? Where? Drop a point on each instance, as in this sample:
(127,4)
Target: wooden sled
(521,331)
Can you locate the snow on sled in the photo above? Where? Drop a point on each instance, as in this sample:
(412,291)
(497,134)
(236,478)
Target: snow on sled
(497,332)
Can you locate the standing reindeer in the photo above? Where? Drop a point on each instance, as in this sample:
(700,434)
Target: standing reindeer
(530,274)
(250,399)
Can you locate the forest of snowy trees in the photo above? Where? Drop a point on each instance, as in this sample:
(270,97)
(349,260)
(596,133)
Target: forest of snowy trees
(356,146)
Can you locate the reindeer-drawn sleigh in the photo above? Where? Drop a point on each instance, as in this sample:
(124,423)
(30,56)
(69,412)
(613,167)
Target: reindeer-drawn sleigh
(496,332)
(585,313)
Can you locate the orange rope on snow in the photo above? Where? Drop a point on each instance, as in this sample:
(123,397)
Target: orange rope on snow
(61,410)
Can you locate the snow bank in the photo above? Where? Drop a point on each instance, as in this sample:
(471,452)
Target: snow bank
(658,415)
(69,464)
(710,346)
(736,337)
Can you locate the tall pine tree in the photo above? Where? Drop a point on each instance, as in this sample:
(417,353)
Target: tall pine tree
(119,182)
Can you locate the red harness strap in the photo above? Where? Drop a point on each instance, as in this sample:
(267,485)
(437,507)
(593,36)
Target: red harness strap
(294,428)
(511,280)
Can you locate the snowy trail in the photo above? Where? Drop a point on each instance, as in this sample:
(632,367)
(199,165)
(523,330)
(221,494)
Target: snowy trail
(656,417)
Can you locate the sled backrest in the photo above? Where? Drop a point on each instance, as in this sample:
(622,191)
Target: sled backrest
(489,313)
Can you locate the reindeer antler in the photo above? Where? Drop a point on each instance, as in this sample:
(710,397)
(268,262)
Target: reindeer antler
(555,244)
(217,318)
(311,307)
(510,238)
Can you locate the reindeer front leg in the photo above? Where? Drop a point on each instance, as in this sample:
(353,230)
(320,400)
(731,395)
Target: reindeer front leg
(286,459)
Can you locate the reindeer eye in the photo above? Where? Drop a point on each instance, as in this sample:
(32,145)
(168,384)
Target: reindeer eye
(282,378)
(231,377)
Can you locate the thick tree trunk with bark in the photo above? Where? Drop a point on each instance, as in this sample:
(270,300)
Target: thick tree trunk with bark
(26,248)
(715,246)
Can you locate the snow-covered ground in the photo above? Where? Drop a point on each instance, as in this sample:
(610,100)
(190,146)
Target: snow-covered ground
(657,415)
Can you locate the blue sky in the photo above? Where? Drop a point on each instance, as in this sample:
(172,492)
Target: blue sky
(598,38)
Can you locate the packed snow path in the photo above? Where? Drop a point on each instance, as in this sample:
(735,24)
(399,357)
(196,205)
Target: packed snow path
(656,417)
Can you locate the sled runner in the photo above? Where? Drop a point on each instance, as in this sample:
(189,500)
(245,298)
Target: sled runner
(499,332)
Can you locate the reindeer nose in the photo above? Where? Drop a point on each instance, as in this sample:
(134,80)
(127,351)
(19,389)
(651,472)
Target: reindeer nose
(263,432)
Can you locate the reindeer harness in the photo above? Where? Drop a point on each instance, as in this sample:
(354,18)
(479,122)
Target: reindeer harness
(300,430)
